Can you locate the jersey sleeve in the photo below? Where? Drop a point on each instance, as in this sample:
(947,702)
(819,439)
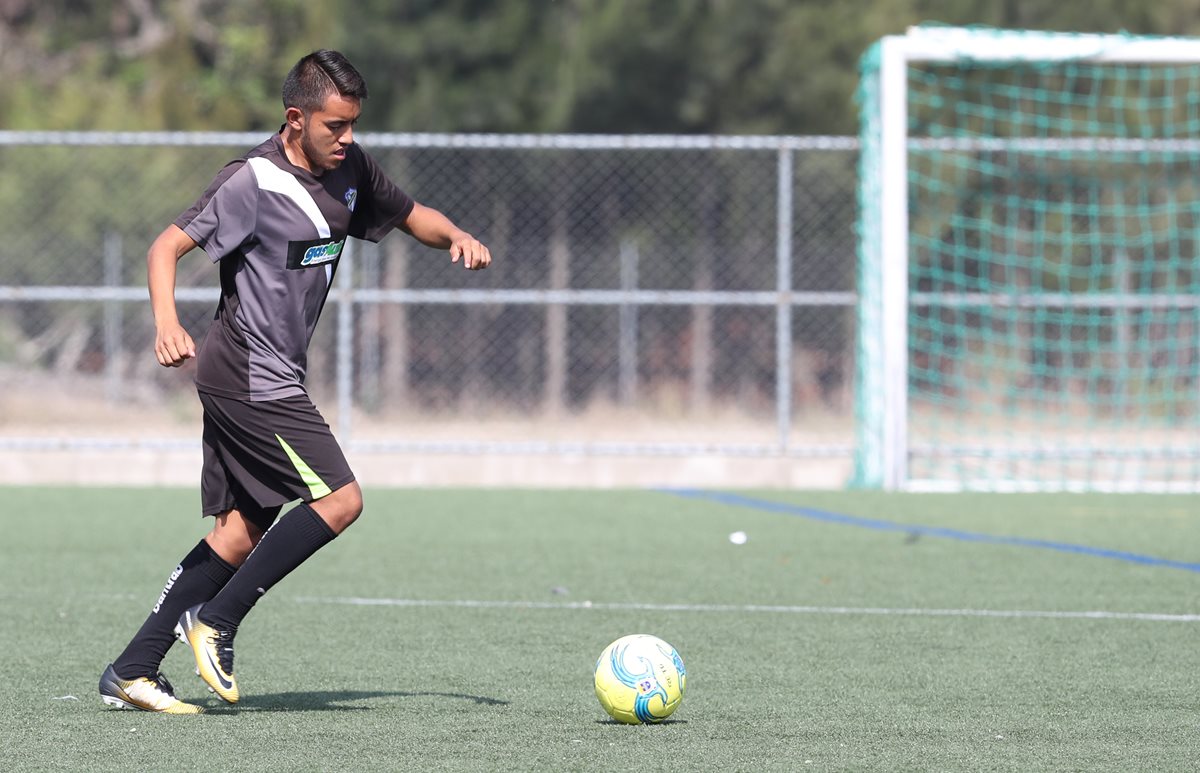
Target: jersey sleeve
(381,207)
(223,218)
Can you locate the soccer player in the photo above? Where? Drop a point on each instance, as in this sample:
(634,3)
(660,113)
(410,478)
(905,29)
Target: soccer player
(276,221)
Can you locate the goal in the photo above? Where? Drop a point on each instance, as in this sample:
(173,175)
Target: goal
(1029,262)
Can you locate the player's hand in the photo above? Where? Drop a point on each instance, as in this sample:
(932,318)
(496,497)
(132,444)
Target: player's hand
(471,251)
(173,345)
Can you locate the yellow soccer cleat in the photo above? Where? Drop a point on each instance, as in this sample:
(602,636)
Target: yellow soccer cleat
(214,653)
(144,693)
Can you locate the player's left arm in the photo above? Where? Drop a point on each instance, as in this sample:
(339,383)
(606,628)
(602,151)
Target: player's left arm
(430,227)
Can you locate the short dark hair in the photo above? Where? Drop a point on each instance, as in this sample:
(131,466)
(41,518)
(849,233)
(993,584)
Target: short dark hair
(317,76)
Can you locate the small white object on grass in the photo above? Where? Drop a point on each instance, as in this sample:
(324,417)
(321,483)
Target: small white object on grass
(738,538)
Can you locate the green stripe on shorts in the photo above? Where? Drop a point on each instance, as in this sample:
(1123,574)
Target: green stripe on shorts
(315,485)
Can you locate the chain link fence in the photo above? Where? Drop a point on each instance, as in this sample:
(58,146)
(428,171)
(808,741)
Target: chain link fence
(650,297)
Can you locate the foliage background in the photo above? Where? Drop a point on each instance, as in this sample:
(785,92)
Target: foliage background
(699,66)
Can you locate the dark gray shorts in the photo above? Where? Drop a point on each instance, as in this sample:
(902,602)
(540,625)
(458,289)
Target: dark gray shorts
(259,456)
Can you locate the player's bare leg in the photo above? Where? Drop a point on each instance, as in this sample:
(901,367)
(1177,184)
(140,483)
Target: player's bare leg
(233,536)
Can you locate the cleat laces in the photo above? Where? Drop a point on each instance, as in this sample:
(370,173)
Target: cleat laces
(163,684)
(222,642)
(155,691)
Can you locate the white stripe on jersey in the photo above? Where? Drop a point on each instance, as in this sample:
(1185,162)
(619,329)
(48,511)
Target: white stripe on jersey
(272,178)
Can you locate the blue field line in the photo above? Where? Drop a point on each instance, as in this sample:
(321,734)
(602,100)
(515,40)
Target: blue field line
(738,500)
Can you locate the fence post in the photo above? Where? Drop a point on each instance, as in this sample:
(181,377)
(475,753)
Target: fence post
(627,327)
(114,312)
(702,355)
(556,316)
(783,308)
(394,321)
(369,329)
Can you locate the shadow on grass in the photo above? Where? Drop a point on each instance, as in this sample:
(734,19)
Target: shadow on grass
(336,700)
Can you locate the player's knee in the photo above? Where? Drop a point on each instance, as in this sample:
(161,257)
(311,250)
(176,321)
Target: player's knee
(352,507)
(341,508)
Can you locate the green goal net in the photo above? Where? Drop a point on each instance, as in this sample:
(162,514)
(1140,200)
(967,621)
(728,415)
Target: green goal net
(1029,276)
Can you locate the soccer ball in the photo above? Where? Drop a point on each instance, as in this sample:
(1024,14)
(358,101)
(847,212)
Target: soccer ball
(640,678)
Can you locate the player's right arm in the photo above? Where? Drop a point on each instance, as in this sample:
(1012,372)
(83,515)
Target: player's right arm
(172,344)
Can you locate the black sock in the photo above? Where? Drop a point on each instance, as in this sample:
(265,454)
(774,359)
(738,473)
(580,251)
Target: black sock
(195,580)
(286,545)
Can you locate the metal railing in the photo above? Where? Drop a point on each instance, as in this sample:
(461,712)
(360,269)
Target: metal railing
(667,284)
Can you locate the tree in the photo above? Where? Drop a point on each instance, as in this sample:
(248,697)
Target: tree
(139,65)
(724,66)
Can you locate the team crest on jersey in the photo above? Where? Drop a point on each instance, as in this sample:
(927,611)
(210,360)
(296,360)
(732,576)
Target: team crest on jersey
(351,198)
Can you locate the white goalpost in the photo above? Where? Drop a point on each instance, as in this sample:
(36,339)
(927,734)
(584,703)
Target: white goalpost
(1029,262)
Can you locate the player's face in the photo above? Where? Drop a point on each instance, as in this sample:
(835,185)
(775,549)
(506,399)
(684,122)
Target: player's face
(328,132)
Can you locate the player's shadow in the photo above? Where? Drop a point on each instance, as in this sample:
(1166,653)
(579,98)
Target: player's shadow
(340,700)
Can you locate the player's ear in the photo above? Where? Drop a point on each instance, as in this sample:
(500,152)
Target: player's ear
(294,117)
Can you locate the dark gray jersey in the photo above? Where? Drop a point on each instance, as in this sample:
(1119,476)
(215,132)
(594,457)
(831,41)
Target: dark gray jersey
(278,232)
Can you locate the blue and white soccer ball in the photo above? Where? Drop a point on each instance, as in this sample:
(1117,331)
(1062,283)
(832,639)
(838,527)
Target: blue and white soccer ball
(640,678)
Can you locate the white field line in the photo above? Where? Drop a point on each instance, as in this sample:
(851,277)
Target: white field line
(754,608)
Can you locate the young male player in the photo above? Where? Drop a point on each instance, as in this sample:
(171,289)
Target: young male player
(276,221)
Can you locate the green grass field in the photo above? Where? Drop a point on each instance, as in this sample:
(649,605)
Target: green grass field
(457,630)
